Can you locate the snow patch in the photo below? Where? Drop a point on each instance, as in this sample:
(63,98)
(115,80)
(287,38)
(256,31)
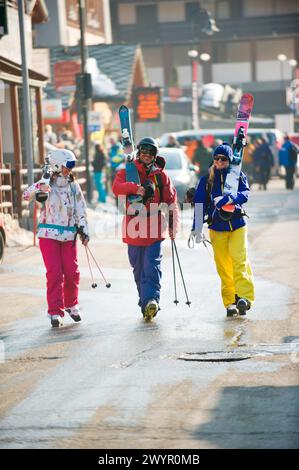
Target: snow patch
(15,235)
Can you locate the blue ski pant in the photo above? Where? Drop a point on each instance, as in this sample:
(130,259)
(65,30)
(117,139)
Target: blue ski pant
(99,184)
(146,264)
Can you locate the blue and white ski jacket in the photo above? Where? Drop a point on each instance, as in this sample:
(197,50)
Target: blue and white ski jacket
(209,207)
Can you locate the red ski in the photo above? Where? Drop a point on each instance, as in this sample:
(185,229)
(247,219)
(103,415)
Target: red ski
(239,143)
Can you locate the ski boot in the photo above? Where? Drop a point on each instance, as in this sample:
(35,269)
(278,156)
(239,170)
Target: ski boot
(74,312)
(150,310)
(231,310)
(56,321)
(243,305)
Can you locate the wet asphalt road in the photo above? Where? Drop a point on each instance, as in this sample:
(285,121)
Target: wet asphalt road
(116,360)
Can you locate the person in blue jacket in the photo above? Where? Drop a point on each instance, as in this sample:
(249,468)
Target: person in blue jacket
(228,237)
(288,156)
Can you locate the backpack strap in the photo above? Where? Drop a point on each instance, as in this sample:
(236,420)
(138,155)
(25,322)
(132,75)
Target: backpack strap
(208,202)
(159,185)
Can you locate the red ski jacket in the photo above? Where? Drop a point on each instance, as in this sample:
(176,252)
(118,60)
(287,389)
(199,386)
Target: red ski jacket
(149,223)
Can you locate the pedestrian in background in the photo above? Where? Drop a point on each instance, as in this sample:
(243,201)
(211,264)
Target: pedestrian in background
(50,136)
(172,142)
(202,158)
(263,162)
(190,147)
(288,156)
(99,164)
(228,231)
(62,216)
(116,157)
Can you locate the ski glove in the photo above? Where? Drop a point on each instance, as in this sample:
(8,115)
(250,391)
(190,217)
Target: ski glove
(221,201)
(83,236)
(196,236)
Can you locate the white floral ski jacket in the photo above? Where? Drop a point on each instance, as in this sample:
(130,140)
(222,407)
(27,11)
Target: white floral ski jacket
(64,208)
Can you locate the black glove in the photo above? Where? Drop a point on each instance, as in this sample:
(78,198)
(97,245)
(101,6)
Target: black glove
(80,231)
(189,196)
(149,187)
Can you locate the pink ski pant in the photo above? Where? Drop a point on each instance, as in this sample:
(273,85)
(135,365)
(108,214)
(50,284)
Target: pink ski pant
(63,275)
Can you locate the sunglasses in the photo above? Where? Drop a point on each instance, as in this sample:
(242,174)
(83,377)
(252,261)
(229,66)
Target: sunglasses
(222,159)
(149,149)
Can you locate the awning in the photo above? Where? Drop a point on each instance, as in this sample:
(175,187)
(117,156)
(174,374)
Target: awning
(12,72)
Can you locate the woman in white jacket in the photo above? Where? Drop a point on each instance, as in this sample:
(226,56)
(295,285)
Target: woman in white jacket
(63,215)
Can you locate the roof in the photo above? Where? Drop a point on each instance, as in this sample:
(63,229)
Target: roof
(12,72)
(117,61)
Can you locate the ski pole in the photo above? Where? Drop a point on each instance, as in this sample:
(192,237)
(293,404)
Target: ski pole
(105,280)
(93,285)
(177,255)
(174,277)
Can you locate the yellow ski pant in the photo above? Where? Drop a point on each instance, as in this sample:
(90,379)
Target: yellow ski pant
(230,254)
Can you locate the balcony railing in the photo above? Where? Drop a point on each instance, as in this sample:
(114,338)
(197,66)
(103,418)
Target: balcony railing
(182,32)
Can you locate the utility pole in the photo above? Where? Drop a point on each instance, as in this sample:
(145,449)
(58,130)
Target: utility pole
(85,102)
(25,94)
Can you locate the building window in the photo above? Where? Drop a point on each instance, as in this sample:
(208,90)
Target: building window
(147,27)
(94,15)
(258,8)
(270,7)
(126,14)
(171,11)
(269,50)
(231,52)
(222,10)
(286,7)
(192,10)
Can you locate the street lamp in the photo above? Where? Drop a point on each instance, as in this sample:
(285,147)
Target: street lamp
(293,62)
(205,57)
(282,58)
(193,54)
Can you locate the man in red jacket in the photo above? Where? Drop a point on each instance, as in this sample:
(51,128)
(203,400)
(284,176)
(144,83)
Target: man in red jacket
(145,225)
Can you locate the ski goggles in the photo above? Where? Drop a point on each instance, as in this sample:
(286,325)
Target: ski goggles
(70,165)
(149,149)
(221,158)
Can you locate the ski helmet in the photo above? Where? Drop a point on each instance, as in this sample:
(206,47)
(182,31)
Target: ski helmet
(150,144)
(61,157)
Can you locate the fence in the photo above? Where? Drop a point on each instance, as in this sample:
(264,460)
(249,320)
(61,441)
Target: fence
(6,192)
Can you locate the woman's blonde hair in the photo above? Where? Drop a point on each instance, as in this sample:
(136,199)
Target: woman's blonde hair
(211,175)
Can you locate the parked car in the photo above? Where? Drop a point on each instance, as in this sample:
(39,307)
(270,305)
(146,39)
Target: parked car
(179,169)
(2,238)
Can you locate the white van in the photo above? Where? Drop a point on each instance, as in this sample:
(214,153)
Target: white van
(274,137)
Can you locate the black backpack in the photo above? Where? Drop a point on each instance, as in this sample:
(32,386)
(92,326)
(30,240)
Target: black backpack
(294,153)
